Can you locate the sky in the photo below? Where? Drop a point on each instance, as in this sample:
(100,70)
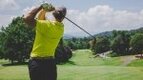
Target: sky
(95,16)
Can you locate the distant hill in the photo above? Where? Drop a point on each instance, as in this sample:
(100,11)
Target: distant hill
(137,30)
(107,33)
(66,36)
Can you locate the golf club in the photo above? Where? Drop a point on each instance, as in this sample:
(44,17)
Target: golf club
(75,24)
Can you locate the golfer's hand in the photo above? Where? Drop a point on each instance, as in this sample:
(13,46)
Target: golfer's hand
(48,7)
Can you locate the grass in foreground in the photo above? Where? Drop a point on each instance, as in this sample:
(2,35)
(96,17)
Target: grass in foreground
(14,73)
(100,73)
(82,67)
(78,73)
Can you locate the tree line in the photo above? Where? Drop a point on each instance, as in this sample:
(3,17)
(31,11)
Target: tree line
(119,42)
(77,43)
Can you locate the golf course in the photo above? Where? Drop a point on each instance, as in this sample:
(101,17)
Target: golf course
(83,66)
(71,40)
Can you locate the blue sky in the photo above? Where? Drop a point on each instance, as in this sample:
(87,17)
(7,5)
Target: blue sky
(94,15)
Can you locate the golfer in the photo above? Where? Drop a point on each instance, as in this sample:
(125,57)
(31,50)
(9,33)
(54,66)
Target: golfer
(42,64)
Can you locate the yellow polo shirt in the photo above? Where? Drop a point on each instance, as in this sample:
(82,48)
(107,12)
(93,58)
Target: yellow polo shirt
(48,35)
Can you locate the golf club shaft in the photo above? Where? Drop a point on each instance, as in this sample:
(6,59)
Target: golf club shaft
(80,27)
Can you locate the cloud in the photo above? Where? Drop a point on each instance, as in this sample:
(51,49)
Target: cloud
(103,18)
(5,20)
(96,19)
(6,5)
(7,8)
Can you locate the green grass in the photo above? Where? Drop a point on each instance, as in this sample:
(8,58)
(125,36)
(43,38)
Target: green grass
(137,63)
(14,73)
(85,58)
(100,73)
(78,73)
(83,67)
(2,61)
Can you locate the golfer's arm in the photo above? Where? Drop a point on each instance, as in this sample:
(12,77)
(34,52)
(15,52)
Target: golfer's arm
(30,17)
(41,15)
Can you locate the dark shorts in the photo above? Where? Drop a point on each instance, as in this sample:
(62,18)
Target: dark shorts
(42,69)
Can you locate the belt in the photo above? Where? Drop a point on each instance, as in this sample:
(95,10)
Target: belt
(43,58)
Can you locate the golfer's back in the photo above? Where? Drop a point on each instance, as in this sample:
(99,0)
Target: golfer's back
(48,35)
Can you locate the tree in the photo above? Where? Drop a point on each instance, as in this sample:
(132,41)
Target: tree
(137,43)
(71,44)
(102,45)
(1,46)
(16,41)
(120,43)
(78,43)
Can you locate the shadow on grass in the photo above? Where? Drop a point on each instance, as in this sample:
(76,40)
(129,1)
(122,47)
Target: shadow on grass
(15,64)
(26,63)
(71,62)
(68,62)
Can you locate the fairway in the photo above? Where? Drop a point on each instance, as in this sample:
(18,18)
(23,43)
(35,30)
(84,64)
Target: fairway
(82,67)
